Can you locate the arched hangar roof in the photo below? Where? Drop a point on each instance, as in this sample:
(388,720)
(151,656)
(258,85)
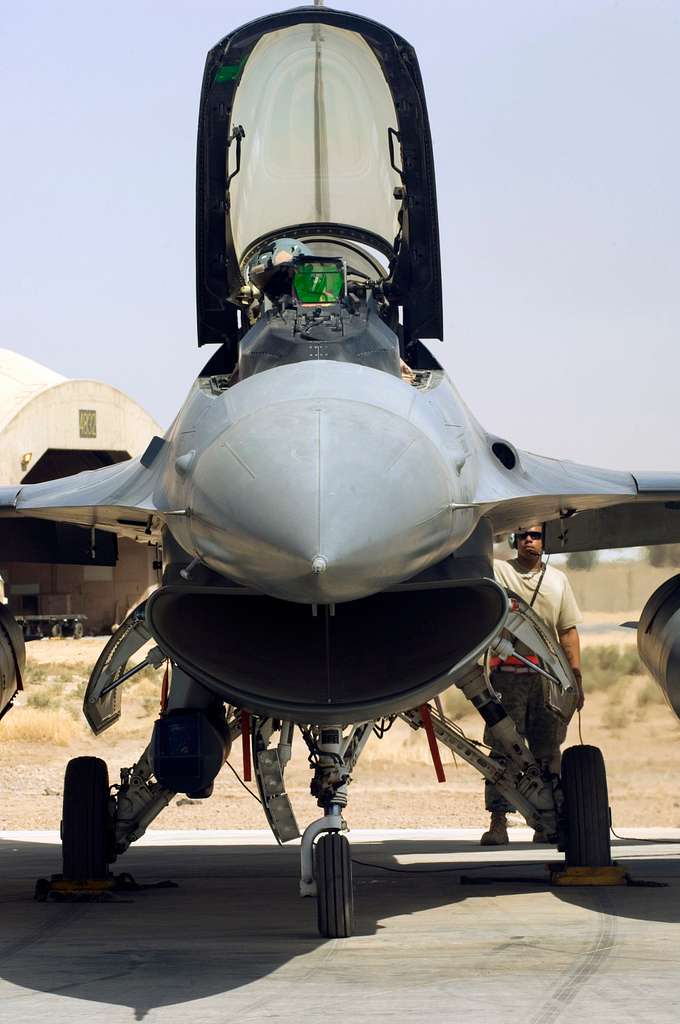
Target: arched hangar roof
(42,411)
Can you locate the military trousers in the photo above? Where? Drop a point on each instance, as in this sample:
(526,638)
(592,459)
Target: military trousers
(522,696)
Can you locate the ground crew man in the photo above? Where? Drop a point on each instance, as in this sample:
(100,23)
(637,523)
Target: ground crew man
(548,592)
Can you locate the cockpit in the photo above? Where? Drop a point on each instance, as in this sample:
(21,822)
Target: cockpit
(316,227)
(306,306)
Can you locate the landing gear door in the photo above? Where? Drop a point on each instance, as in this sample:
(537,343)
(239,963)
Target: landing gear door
(102,702)
(531,635)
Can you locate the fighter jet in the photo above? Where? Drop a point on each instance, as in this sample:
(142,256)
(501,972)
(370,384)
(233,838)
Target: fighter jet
(325,503)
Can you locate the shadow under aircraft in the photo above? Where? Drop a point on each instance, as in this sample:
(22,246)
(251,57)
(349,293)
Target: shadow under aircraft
(233,920)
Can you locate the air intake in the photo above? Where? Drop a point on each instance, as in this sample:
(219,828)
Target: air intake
(357,661)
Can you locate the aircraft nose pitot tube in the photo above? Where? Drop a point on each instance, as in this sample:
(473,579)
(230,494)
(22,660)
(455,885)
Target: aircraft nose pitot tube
(659,639)
(321,500)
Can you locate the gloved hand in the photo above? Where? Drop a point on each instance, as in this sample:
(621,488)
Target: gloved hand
(407,373)
(580,695)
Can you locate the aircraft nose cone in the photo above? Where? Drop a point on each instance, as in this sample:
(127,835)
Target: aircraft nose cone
(320,500)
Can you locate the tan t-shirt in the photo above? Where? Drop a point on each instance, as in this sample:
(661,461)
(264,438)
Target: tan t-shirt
(555,603)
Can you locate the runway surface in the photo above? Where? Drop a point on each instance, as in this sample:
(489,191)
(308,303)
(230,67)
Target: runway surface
(234,941)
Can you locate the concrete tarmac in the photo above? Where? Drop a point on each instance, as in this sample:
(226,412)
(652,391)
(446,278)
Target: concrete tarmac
(234,941)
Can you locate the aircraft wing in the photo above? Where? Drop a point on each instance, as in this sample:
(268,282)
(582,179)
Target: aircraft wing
(584,508)
(118,498)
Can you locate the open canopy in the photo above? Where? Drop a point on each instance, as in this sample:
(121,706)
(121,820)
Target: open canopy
(313,125)
(315,148)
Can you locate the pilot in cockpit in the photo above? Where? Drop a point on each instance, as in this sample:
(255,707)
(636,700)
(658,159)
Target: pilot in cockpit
(277,271)
(268,270)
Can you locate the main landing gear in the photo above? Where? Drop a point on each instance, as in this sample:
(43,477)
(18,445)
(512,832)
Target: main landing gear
(571,812)
(193,736)
(86,833)
(585,809)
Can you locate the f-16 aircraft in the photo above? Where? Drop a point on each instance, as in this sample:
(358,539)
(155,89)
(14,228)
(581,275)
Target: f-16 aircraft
(325,502)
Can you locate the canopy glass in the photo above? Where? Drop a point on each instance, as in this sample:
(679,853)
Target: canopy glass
(315,109)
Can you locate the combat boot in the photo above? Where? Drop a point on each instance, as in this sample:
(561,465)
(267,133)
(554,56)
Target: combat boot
(497,834)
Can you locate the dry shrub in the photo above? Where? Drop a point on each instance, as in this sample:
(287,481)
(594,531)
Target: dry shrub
(605,666)
(74,669)
(35,673)
(63,670)
(47,696)
(149,674)
(143,685)
(37,725)
(78,689)
(71,682)
(651,693)
(39,699)
(615,717)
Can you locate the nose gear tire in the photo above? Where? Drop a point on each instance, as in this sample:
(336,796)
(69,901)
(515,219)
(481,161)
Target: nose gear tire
(333,874)
(586,807)
(85,829)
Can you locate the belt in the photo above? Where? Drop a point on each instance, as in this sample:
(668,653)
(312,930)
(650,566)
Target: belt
(505,663)
(515,669)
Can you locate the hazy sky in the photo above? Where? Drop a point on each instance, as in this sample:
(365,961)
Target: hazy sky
(558,176)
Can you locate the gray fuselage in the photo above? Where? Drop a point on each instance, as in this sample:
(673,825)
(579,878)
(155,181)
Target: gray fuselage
(320,481)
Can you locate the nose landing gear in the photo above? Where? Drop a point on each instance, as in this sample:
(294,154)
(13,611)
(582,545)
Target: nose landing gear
(326,868)
(335,899)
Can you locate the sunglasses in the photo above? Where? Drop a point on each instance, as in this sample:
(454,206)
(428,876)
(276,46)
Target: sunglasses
(532,534)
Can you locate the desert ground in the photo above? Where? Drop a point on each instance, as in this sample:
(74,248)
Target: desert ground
(394,785)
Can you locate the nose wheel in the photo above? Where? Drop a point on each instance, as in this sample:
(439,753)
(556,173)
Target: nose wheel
(325,860)
(333,873)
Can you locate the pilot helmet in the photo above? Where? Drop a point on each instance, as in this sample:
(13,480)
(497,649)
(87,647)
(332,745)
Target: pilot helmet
(269,270)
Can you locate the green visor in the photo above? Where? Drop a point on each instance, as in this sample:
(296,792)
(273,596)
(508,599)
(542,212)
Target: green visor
(319,280)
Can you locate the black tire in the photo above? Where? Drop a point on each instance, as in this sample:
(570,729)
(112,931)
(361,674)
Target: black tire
(85,824)
(586,808)
(57,630)
(78,630)
(333,873)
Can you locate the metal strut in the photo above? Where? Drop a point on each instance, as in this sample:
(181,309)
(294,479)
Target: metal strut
(336,755)
(516,775)
(138,801)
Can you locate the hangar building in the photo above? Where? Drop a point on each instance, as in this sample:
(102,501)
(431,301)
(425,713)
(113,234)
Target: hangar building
(51,427)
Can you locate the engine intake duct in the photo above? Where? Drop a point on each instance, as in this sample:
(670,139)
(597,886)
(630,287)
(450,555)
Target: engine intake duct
(357,661)
(658,639)
(12,658)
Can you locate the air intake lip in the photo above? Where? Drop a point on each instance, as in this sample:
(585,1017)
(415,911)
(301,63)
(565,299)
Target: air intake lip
(363,659)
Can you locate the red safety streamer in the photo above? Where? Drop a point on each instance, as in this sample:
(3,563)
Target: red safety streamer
(245,742)
(165,686)
(426,719)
